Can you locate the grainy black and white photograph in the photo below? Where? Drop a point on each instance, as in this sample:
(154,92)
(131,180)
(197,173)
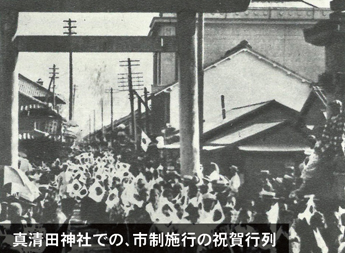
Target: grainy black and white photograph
(196,126)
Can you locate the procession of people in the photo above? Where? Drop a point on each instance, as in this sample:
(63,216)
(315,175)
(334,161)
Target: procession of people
(121,185)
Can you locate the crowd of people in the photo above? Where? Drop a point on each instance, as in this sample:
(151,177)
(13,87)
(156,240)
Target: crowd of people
(119,185)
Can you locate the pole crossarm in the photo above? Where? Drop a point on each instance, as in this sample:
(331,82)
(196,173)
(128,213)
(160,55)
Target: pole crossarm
(96,44)
(125,5)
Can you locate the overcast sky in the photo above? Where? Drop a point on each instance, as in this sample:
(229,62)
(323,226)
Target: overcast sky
(93,72)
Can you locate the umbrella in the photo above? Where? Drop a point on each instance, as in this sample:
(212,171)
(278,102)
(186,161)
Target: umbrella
(15,182)
(9,175)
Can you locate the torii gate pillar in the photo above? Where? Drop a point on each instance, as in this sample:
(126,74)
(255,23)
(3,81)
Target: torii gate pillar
(8,90)
(188,81)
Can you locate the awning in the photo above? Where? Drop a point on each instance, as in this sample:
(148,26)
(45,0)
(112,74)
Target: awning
(70,134)
(30,135)
(31,106)
(267,148)
(71,123)
(177,146)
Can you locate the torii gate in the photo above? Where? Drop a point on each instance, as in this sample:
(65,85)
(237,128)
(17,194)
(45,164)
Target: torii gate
(185,44)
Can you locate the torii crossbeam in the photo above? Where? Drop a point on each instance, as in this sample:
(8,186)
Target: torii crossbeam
(186,48)
(95,44)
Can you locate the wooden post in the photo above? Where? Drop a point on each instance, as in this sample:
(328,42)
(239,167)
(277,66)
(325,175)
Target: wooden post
(189,114)
(201,29)
(102,119)
(8,90)
(70,86)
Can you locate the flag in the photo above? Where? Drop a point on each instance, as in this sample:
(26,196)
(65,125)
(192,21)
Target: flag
(74,188)
(309,211)
(82,193)
(113,199)
(96,192)
(145,141)
(273,214)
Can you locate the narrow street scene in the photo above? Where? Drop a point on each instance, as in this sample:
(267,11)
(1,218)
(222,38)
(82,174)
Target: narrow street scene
(165,126)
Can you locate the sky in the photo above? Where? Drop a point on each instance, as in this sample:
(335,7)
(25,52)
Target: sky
(93,73)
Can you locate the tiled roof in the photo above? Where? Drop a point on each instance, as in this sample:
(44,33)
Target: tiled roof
(35,100)
(244,133)
(232,115)
(43,92)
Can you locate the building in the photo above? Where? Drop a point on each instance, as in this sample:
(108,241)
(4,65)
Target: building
(40,125)
(242,77)
(254,108)
(274,27)
(262,136)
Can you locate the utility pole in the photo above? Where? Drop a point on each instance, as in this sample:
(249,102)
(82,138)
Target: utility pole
(111,91)
(142,102)
(102,118)
(89,129)
(129,81)
(52,84)
(139,113)
(94,123)
(147,112)
(70,33)
(112,114)
(131,97)
(74,96)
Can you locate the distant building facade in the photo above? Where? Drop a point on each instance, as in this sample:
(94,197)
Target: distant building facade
(274,28)
(254,109)
(40,125)
(243,76)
